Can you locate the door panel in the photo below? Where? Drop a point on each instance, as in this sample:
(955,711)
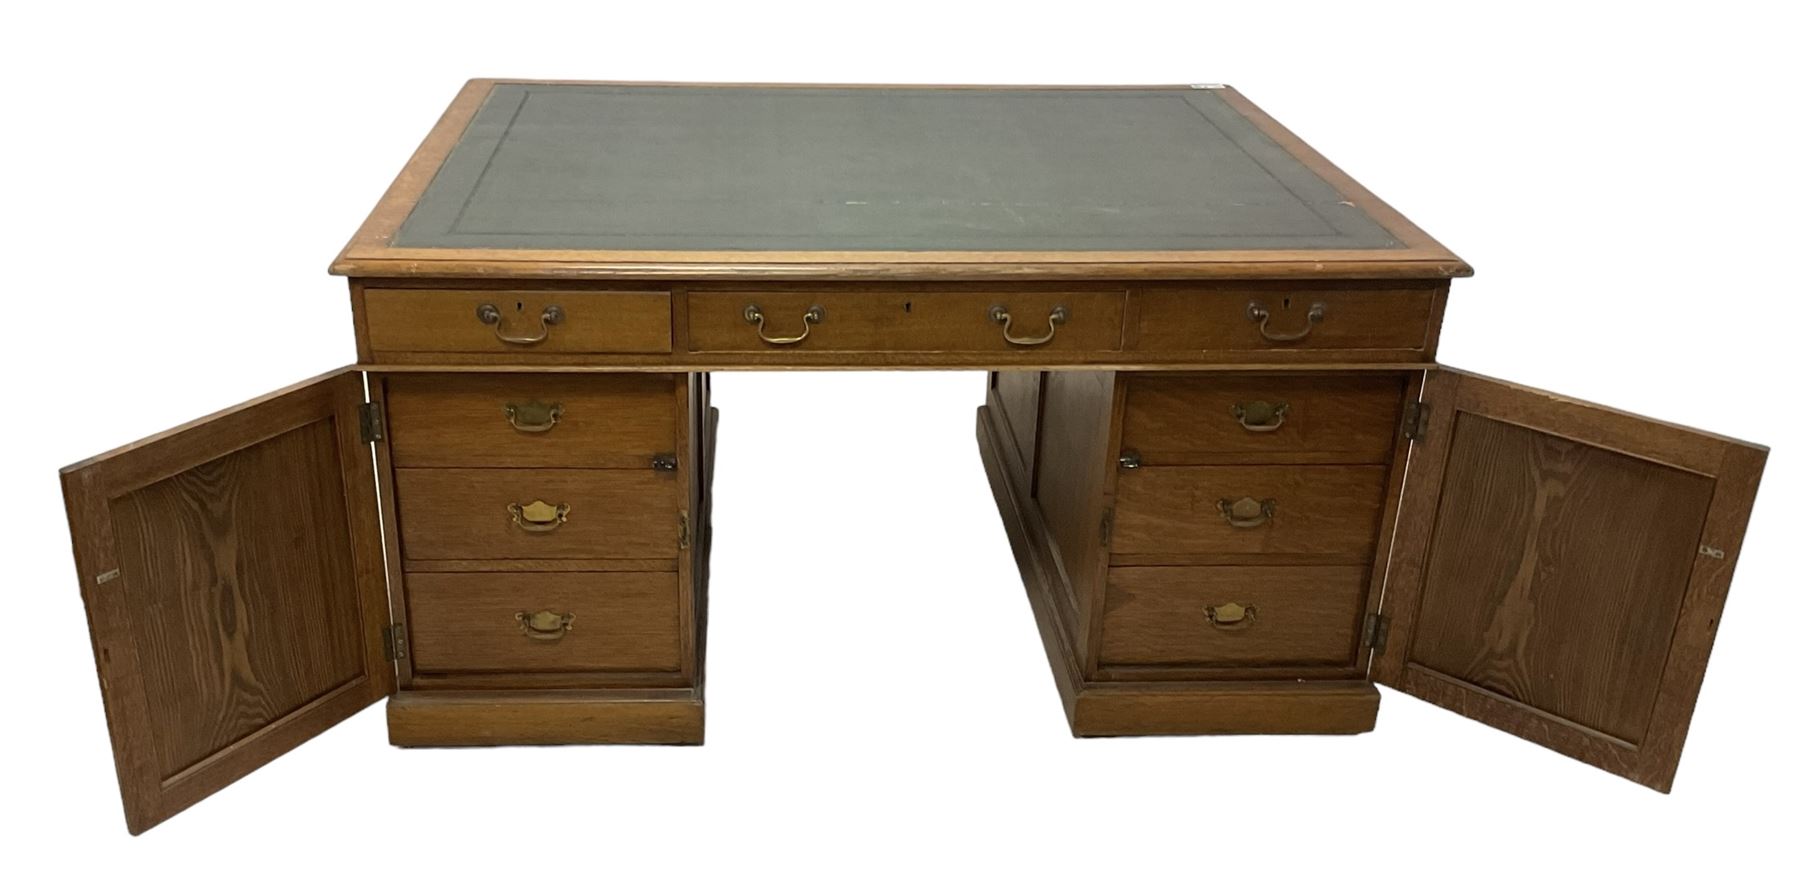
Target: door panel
(233,578)
(1560,567)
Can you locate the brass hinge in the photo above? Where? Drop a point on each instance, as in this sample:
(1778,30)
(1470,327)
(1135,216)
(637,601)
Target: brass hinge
(1415,420)
(685,539)
(1106,524)
(369,415)
(393,642)
(663,462)
(1375,632)
(1130,460)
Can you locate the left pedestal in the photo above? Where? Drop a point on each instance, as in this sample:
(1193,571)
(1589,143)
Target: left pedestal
(547,556)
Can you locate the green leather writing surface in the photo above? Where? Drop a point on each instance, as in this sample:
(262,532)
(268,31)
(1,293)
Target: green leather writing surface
(769,169)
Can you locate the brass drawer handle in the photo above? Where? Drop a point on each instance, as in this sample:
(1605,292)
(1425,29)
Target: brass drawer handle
(538,516)
(1247,513)
(754,314)
(1259,313)
(489,314)
(998,314)
(1231,617)
(533,416)
(545,625)
(1260,416)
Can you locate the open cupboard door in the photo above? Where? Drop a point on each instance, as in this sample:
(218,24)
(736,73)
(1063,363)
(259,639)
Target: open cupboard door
(1559,569)
(232,572)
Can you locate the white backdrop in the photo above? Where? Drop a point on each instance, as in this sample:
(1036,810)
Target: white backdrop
(880,714)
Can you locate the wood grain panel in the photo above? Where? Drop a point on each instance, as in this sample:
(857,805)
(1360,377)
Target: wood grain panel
(874,320)
(1559,569)
(1318,510)
(444,320)
(461,514)
(232,572)
(1075,442)
(241,590)
(607,420)
(1190,419)
(1557,573)
(464,622)
(1395,322)
(1306,615)
(1018,392)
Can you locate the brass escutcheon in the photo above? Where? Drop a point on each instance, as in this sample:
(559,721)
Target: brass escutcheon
(1259,313)
(1247,513)
(489,313)
(545,625)
(754,314)
(533,416)
(1232,616)
(1260,416)
(538,516)
(998,314)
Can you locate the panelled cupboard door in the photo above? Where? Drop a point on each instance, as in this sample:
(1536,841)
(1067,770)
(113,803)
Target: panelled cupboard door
(232,573)
(1559,569)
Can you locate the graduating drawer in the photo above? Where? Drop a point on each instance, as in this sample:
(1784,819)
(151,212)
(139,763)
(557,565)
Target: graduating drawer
(532,420)
(520,322)
(544,622)
(456,513)
(1371,324)
(904,321)
(1233,615)
(1249,510)
(1260,419)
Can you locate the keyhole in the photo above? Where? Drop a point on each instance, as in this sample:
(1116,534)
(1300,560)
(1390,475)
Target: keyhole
(519,307)
(1287,303)
(908,307)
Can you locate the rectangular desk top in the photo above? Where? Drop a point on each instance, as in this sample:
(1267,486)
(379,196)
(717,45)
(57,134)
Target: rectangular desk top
(558,179)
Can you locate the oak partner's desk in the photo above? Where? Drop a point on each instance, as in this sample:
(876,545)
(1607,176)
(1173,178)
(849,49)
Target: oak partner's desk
(1214,376)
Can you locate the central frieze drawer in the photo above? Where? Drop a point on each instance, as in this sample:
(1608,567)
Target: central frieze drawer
(903,321)
(456,513)
(626,421)
(520,322)
(545,622)
(1311,510)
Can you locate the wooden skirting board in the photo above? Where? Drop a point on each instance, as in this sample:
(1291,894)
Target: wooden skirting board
(489,718)
(1098,709)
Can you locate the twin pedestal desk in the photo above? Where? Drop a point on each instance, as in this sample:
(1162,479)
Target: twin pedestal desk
(1239,489)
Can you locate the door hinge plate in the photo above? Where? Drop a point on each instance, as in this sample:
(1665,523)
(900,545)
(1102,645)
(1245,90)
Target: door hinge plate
(684,538)
(663,462)
(369,416)
(1106,527)
(393,642)
(1415,420)
(1375,633)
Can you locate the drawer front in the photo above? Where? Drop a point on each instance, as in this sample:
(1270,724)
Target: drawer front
(1266,318)
(903,321)
(531,420)
(1301,510)
(1259,615)
(615,621)
(516,322)
(457,513)
(1173,420)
